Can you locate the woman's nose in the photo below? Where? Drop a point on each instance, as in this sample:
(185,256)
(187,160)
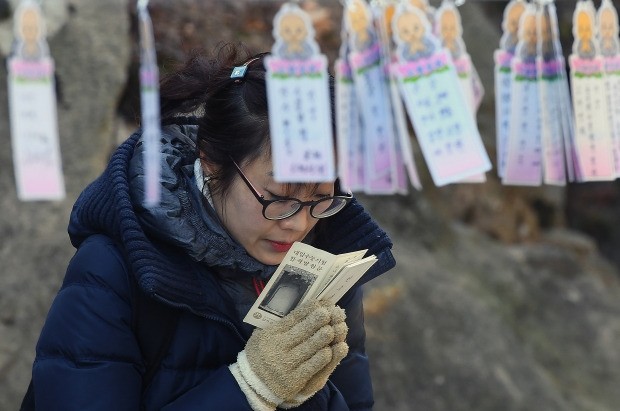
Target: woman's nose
(298,221)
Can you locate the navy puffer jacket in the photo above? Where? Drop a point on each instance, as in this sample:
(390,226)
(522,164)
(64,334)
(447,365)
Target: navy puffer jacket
(87,356)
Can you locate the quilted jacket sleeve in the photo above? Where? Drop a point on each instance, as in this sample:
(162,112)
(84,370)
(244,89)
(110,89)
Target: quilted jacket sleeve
(87,356)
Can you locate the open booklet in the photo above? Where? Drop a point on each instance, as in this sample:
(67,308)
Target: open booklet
(307,273)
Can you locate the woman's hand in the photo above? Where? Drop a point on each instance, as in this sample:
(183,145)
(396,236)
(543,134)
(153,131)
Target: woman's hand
(340,350)
(286,363)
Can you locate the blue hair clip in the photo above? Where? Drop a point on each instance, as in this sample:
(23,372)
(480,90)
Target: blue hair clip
(239,72)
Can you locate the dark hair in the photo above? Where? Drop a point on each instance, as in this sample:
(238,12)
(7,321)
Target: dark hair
(231,114)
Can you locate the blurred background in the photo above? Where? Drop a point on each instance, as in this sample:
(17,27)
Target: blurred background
(504,298)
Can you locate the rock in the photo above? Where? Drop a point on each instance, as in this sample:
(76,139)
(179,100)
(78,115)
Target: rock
(479,326)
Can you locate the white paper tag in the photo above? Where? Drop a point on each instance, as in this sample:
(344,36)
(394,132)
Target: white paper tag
(33,115)
(348,122)
(429,85)
(503,78)
(592,127)
(551,81)
(612,79)
(404,150)
(373,97)
(348,125)
(552,142)
(523,158)
(503,102)
(449,30)
(607,23)
(299,107)
(593,130)
(151,123)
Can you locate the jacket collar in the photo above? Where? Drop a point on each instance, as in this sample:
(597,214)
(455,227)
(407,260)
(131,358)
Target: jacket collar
(156,246)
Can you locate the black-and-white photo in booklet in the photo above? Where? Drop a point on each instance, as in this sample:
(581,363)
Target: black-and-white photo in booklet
(307,273)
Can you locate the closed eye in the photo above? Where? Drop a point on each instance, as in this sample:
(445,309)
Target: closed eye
(273,196)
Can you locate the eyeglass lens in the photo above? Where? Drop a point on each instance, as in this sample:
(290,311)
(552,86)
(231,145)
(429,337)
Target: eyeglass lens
(323,208)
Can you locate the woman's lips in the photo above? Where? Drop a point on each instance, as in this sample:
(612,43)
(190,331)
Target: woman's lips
(280,247)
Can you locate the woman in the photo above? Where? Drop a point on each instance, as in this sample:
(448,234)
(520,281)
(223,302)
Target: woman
(222,227)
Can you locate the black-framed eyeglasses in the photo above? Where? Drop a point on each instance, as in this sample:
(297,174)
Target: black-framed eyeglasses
(282,208)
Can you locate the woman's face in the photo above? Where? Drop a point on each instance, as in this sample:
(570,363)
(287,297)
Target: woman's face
(240,212)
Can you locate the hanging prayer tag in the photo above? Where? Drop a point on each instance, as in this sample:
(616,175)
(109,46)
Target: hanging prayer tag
(348,123)
(33,115)
(593,130)
(149,94)
(365,58)
(551,83)
(523,158)
(503,78)
(299,105)
(450,32)
(607,24)
(555,68)
(429,84)
(404,152)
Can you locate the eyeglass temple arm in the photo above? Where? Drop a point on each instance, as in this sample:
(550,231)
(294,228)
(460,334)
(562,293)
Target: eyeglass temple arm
(248,182)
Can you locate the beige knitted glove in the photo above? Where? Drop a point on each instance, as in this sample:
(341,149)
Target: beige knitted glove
(278,361)
(340,349)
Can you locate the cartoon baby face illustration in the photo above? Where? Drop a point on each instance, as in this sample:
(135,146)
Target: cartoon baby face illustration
(527,33)
(29,25)
(584,26)
(449,26)
(608,23)
(583,30)
(358,17)
(293,29)
(412,34)
(609,43)
(526,47)
(510,24)
(410,28)
(30,31)
(294,34)
(360,24)
(512,17)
